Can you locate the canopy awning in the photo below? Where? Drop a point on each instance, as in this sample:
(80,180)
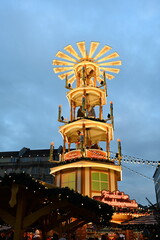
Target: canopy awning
(147,220)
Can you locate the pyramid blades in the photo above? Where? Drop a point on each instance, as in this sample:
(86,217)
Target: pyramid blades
(100,79)
(82,48)
(71,61)
(62,69)
(59,62)
(63,75)
(72,79)
(109,76)
(112,55)
(104,50)
(115,63)
(93,47)
(65,56)
(114,70)
(71,50)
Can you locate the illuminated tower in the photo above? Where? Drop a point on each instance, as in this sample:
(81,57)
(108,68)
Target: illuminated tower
(83,165)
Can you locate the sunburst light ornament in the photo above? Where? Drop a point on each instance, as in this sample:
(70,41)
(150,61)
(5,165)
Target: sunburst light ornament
(84,65)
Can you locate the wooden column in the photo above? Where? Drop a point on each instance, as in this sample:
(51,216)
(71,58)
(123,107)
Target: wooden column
(69,144)
(84,75)
(107,144)
(84,93)
(84,133)
(83,183)
(71,114)
(74,110)
(78,81)
(129,234)
(64,144)
(100,107)
(18,233)
(94,76)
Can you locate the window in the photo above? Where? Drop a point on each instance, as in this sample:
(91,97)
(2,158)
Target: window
(68,180)
(99,181)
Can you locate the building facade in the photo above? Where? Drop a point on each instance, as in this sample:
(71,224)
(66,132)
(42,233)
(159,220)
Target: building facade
(33,162)
(156,177)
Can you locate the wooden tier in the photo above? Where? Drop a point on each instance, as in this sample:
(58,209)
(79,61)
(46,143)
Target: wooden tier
(94,96)
(81,176)
(89,164)
(93,131)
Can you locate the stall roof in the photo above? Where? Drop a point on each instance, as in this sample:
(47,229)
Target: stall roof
(147,220)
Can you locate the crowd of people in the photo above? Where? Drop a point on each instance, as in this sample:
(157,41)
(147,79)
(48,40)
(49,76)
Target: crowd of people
(9,235)
(105,236)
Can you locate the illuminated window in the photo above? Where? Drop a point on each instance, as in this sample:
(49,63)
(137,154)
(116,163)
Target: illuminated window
(99,181)
(68,180)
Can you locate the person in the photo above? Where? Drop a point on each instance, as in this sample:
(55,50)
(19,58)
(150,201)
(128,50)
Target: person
(90,75)
(91,112)
(107,238)
(55,236)
(96,238)
(117,236)
(37,235)
(80,113)
(104,237)
(95,146)
(63,237)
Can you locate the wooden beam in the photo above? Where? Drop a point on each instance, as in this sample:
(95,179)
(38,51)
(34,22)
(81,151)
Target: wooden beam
(78,225)
(54,222)
(33,217)
(73,226)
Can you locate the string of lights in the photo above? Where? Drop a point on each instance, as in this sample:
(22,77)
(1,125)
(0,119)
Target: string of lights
(56,195)
(136,160)
(125,158)
(138,173)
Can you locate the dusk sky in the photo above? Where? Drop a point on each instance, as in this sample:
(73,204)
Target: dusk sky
(32,32)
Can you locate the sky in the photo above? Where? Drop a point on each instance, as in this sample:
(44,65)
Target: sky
(32,32)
